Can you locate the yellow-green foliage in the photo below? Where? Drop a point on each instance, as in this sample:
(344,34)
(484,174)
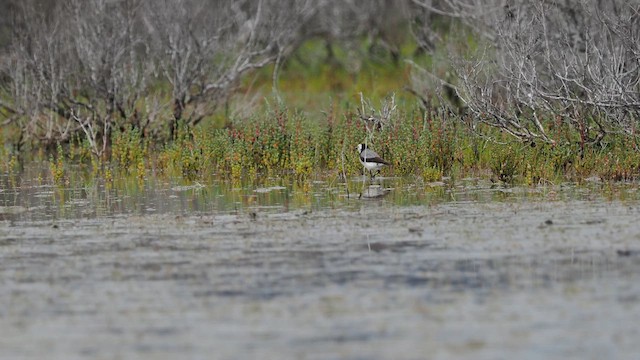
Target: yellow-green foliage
(505,163)
(621,162)
(279,142)
(421,144)
(79,150)
(129,153)
(184,156)
(8,160)
(430,174)
(56,166)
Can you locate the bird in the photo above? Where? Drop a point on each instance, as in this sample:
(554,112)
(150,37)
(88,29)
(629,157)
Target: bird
(371,160)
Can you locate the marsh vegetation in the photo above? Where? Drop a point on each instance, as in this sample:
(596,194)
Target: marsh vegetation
(533,92)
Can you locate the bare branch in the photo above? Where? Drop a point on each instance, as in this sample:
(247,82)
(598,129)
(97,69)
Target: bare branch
(557,59)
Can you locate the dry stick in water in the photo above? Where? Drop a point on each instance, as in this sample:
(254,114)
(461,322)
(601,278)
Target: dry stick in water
(344,173)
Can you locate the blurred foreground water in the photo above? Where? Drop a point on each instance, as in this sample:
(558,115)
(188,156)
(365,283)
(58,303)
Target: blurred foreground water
(281,270)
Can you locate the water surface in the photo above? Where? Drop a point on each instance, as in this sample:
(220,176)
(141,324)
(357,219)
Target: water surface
(288,270)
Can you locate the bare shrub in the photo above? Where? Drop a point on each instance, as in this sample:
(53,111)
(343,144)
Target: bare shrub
(110,71)
(203,49)
(577,61)
(89,66)
(35,70)
(376,119)
(77,67)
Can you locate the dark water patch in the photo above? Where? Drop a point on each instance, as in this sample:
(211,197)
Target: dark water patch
(399,246)
(9,241)
(219,293)
(410,280)
(262,294)
(348,336)
(628,253)
(33,256)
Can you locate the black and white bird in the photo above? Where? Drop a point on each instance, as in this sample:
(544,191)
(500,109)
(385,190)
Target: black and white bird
(371,160)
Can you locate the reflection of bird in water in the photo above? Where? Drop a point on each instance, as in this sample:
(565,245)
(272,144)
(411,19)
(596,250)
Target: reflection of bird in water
(374,192)
(371,160)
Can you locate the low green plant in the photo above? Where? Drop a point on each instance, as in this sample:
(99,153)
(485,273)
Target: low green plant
(56,166)
(505,163)
(431,174)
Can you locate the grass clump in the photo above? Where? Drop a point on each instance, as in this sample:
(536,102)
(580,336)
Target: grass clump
(56,166)
(506,164)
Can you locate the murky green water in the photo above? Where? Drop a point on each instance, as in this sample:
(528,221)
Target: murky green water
(281,270)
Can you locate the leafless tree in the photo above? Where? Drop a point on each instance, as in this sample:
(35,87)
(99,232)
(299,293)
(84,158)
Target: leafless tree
(111,67)
(76,67)
(89,66)
(35,71)
(203,48)
(573,60)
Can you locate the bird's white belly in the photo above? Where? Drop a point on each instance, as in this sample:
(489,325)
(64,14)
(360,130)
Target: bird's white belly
(372,165)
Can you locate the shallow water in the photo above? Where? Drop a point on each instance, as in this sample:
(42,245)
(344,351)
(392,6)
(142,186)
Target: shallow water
(285,270)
